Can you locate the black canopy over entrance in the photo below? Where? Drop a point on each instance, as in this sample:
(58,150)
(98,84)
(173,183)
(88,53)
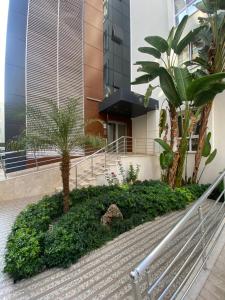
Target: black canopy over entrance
(128,104)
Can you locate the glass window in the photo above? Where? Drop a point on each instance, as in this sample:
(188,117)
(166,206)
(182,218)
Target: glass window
(193,139)
(183,7)
(179,6)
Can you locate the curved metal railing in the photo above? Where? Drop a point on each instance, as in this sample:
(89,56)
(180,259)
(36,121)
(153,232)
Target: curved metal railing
(193,253)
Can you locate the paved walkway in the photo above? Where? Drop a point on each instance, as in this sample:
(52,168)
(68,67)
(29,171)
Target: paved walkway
(214,287)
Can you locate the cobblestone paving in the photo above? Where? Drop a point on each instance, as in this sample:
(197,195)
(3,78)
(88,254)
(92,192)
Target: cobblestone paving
(214,287)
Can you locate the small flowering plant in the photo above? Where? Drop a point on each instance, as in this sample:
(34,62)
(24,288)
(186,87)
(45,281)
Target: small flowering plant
(111,178)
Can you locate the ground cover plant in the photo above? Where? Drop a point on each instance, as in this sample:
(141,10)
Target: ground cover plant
(44,237)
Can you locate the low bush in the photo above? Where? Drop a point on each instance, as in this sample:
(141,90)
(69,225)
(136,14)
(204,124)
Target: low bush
(33,245)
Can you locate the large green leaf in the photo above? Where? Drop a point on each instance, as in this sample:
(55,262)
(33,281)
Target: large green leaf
(187,40)
(183,79)
(142,79)
(207,146)
(211,157)
(198,61)
(168,87)
(166,160)
(207,95)
(201,84)
(147,66)
(148,94)
(164,145)
(158,42)
(149,50)
(179,32)
(170,39)
(162,121)
(210,6)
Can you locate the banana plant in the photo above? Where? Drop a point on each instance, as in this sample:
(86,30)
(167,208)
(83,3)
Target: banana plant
(210,43)
(207,153)
(181,88)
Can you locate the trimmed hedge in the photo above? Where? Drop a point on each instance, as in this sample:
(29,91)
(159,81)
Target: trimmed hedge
(33,245)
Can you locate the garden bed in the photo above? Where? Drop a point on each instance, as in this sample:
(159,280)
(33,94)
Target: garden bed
(43,237)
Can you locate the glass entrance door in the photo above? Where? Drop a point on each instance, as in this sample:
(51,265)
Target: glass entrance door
(115,131)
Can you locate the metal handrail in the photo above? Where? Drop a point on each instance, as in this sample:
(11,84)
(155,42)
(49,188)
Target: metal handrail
(144,266)
(22,164)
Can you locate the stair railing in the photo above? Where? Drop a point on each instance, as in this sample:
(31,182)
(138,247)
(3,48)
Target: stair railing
(20,163)
(192,260)
(121,146)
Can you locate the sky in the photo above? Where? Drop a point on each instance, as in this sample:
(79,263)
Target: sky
(4,4)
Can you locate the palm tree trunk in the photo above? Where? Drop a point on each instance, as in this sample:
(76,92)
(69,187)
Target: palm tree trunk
(65,173)
(173,170)
(202,133)
(173,124)
(181,163)
(173,137)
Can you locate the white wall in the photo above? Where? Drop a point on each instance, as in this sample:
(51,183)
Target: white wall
(147,18)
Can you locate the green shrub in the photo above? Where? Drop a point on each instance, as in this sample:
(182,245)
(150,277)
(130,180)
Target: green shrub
(33,246)
(190,197)
(24,254)
(197,189)
(25,246)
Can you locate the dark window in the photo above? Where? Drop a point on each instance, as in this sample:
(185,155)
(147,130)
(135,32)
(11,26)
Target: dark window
(117,34)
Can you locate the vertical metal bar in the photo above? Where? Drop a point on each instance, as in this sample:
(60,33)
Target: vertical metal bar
(92,167)
(224,187)
(105,157)
(136,289)
(36,162)
(76,176)
(124,145)
(3,167)
(146,146)
(135,146)
(202,233)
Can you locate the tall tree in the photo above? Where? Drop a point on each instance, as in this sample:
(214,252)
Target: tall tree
(183,90)
(211,44)
(61,129)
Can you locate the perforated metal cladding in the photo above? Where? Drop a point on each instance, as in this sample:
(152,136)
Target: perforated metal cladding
(54,56)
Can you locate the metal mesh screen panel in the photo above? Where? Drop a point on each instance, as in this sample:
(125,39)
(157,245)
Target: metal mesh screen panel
(54,55)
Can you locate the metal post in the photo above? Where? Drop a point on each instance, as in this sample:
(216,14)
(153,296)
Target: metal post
(136,289)
(36,162)
(135,146)
(202,233)
(224,187)
(76,175)
(92,167)
(124,145)
(3,166)
(105,156)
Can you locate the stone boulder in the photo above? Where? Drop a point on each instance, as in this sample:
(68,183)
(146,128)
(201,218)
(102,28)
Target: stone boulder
(113,212)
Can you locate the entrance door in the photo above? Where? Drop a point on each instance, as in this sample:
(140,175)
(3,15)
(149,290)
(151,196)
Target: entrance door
(115,131)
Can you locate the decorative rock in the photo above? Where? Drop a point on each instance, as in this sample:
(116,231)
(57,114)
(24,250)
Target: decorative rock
(112,212)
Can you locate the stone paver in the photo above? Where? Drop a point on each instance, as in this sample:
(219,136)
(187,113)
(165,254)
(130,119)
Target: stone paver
(214,287)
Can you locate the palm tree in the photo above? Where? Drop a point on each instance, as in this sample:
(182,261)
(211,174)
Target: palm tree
(61,129)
